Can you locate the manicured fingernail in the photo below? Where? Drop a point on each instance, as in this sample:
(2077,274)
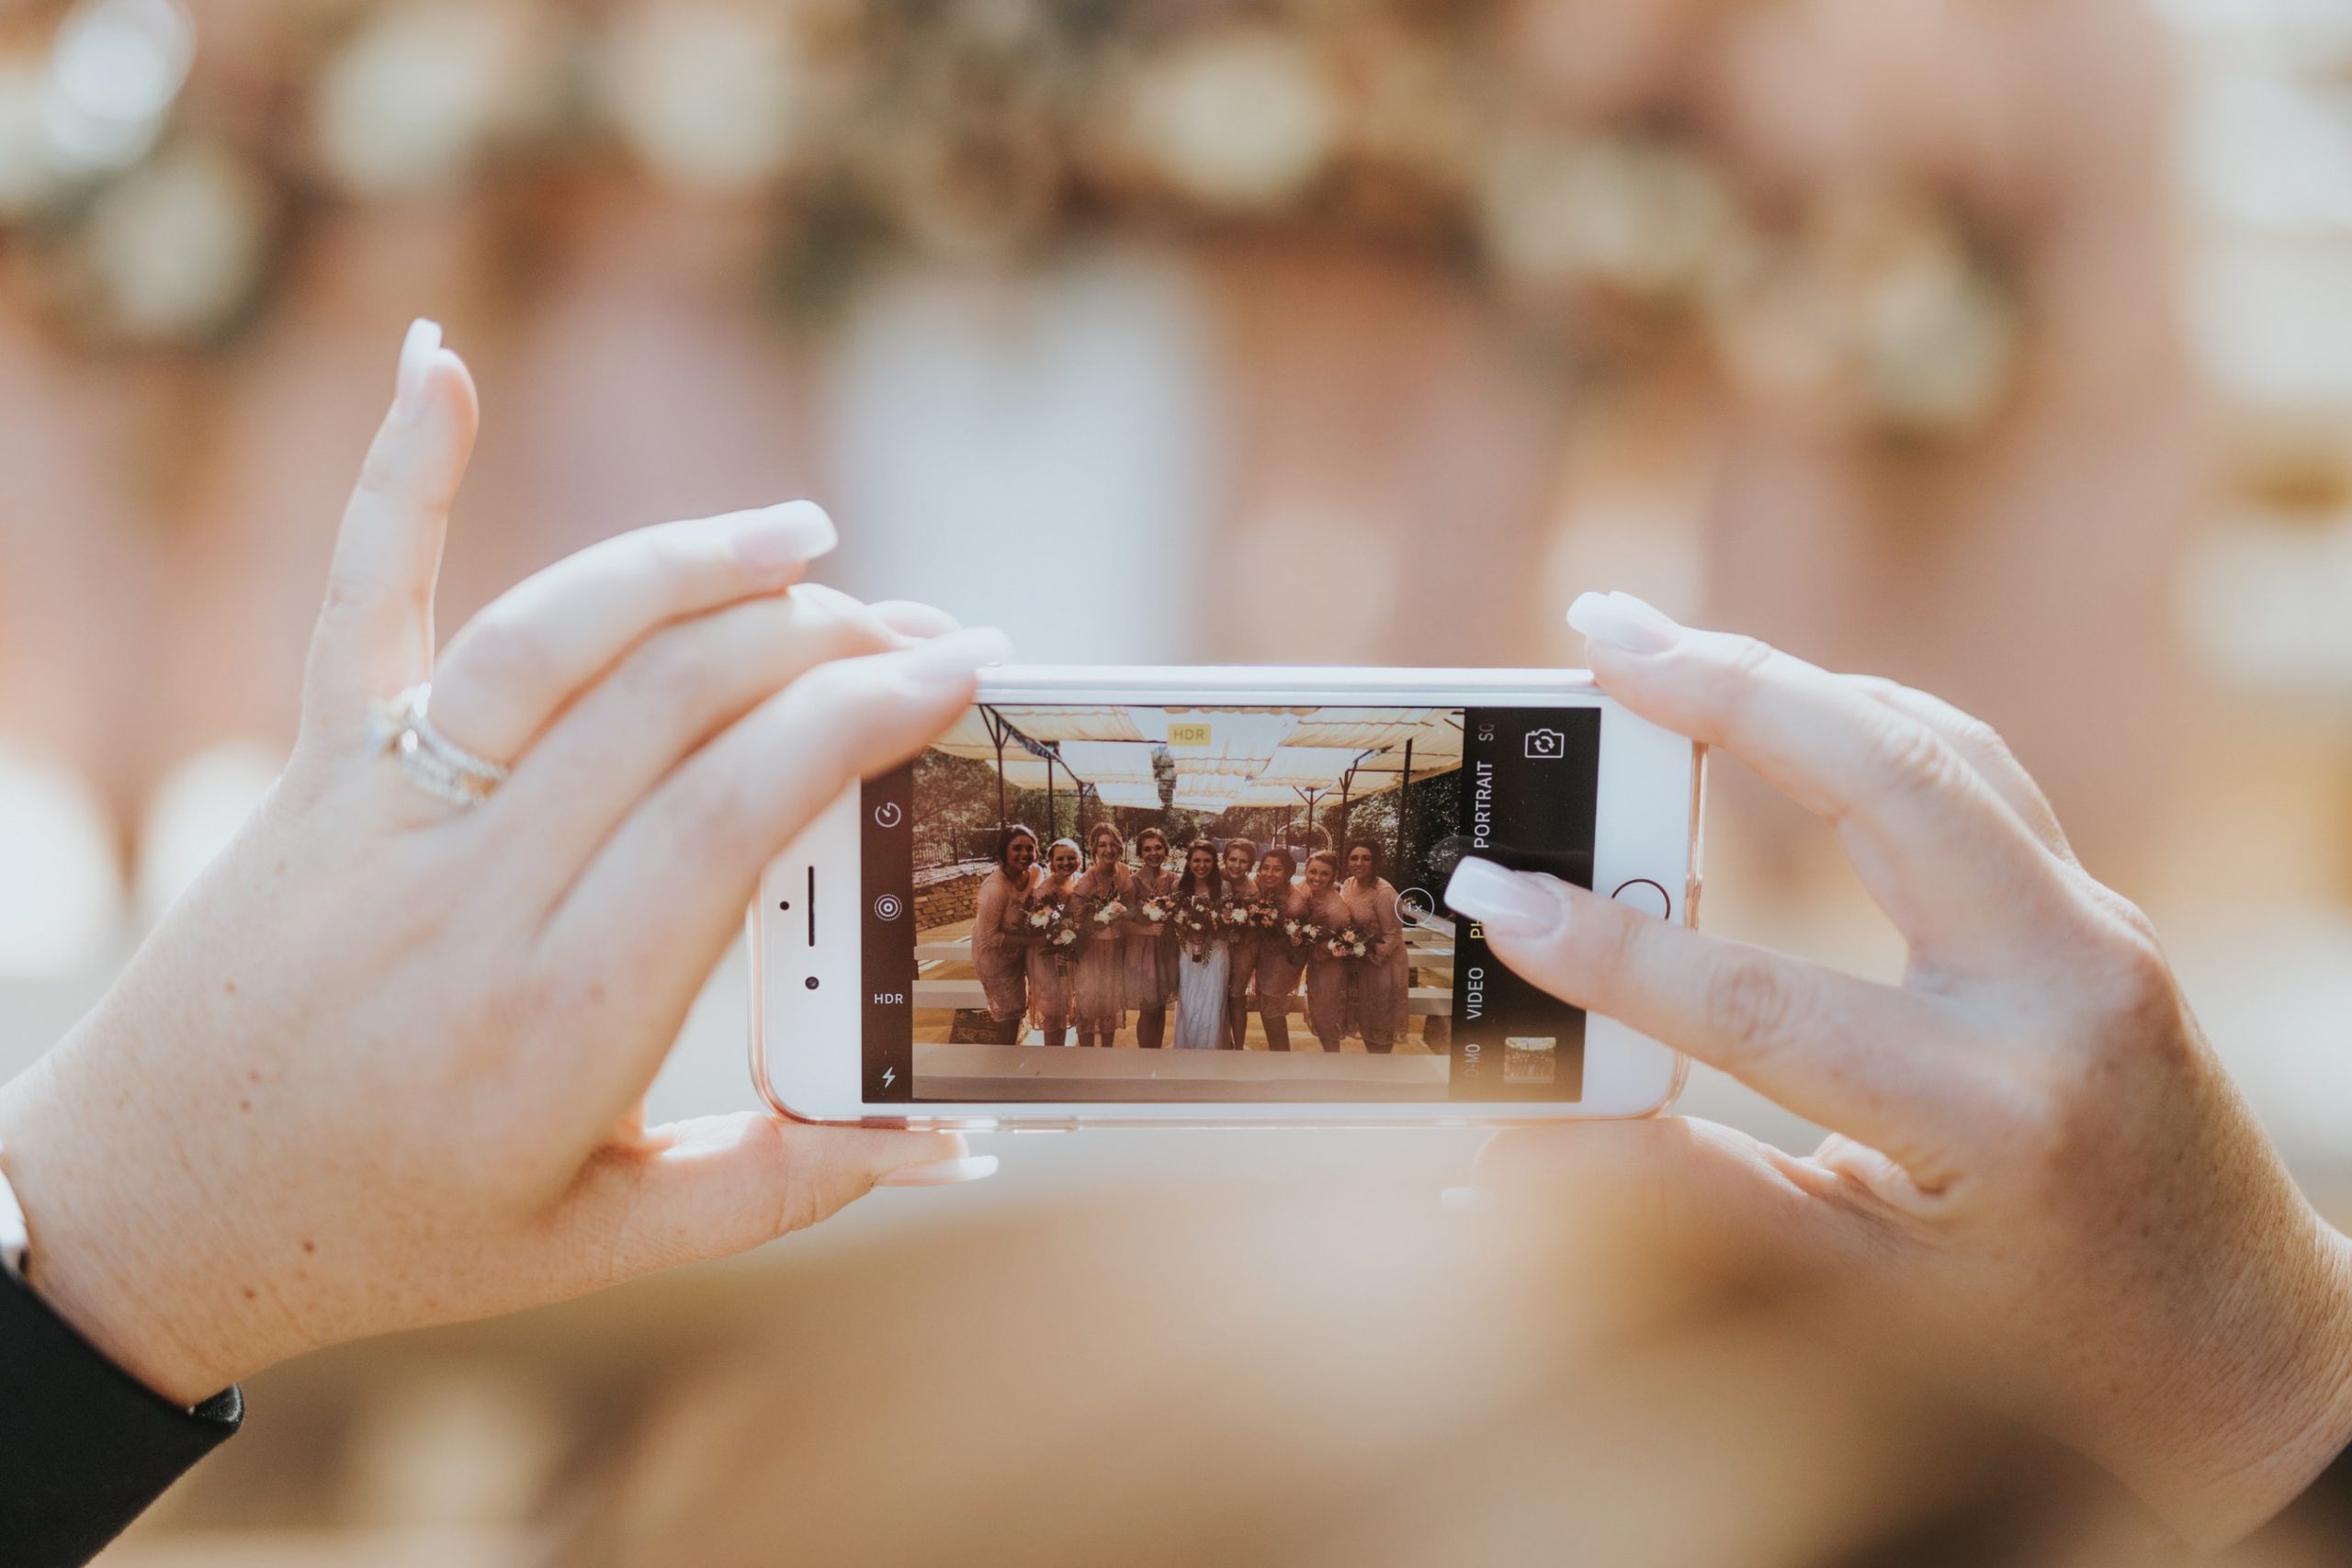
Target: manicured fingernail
(1624,622)
(1508,903)
(947,660)
(940,1172)
(783,535)
(1458,1199)
(417,349)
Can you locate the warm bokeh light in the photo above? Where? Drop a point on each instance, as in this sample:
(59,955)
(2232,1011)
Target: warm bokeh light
(2005,349)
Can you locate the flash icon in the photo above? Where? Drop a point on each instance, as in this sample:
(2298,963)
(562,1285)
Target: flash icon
(889,1077)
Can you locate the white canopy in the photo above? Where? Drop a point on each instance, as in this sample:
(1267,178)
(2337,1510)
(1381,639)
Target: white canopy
(1223,756)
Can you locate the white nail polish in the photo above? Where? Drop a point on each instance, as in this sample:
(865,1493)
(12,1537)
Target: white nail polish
(1505,903)
(949,660)
(1624,622)
(785,535)
(940,1172)
(417,349)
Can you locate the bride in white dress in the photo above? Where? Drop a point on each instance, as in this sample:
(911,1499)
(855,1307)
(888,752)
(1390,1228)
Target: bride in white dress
(1201,981)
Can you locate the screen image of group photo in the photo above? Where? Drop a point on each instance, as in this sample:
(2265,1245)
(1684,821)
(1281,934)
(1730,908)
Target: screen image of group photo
(1204,903)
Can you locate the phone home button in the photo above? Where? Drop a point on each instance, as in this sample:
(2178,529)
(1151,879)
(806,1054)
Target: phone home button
(1645,895)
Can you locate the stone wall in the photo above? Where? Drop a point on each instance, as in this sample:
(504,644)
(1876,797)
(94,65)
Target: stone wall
(947,893)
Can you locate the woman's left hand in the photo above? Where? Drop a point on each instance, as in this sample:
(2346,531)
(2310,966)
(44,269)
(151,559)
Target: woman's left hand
(383,1065)
(2038,1177)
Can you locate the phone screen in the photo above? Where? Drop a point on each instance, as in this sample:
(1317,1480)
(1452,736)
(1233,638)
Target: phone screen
(1069,902)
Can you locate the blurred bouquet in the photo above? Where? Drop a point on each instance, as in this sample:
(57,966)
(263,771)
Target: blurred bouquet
(1199,920)
(1057,929)
(156,194)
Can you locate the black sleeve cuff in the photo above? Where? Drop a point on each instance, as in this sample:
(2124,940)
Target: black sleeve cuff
(84,1446)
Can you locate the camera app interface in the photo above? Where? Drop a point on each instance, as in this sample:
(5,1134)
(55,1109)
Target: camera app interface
(1066,903)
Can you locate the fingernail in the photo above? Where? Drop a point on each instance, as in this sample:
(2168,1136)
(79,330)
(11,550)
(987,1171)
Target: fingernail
(1508,903)
(783,535)
(940,1172)
(417,349)
(1458,1199)
(949,661)
(1624,622)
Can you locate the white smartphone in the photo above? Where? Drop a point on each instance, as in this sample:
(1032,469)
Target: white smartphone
(1140,896)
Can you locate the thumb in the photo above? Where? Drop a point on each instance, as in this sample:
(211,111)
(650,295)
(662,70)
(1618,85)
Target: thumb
(375,632)
(716,1186)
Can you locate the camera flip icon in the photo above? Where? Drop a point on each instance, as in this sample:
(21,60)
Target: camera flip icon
(1546,744)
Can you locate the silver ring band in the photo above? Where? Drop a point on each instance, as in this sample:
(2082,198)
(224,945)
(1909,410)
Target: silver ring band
(400,729)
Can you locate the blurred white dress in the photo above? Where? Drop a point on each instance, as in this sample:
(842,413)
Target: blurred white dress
(1201,997)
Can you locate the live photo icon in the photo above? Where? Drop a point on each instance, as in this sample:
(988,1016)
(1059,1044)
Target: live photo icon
(1546,745)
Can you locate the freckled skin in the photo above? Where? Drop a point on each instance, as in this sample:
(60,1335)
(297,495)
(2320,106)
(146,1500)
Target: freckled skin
(458,1010)
(2042,1185)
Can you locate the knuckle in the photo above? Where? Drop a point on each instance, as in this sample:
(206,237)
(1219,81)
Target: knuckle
(1971,733)
(2131,920)
(719,807)
(1743,662)
(675,668)
(347,595)
(1752,1004)
(1746,658)
(501,655)
(840,625)
(2133,974)
(1914,759)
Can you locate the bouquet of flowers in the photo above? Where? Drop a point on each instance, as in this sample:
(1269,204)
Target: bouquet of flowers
(1107,916)
(1235,916)
(1157,911)
(1350,942)
(1197,919)
(1055,926)
(1302,933)
(1264,914)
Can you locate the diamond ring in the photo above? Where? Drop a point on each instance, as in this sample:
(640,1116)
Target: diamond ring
(400,729)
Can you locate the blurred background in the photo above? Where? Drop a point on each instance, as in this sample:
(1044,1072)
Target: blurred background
(2004,348)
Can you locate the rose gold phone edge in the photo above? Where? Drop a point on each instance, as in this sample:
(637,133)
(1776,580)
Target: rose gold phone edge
(1215,1114)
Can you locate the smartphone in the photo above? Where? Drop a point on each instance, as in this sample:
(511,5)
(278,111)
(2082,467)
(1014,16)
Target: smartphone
(1214,896)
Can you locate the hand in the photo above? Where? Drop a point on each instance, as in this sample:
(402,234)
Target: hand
(2039,1175)
(383,1065)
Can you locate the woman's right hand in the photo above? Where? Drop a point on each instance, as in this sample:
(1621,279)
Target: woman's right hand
(383,1065)
(2039,1178)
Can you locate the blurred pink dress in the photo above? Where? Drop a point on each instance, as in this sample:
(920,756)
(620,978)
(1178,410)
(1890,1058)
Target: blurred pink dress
(1052,976)
(1243,943)
(1380,980)
(1151,970)
(1279,966)
(1327,977)
(1099,1004)
(997,952)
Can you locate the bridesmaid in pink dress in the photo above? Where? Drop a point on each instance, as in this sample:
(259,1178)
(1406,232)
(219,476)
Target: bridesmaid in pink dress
(1382,981)
(1240,861)
(1327,977)
(1100,1006)
(1280,963)
(997,950)
(1050,974)
(1150,952)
